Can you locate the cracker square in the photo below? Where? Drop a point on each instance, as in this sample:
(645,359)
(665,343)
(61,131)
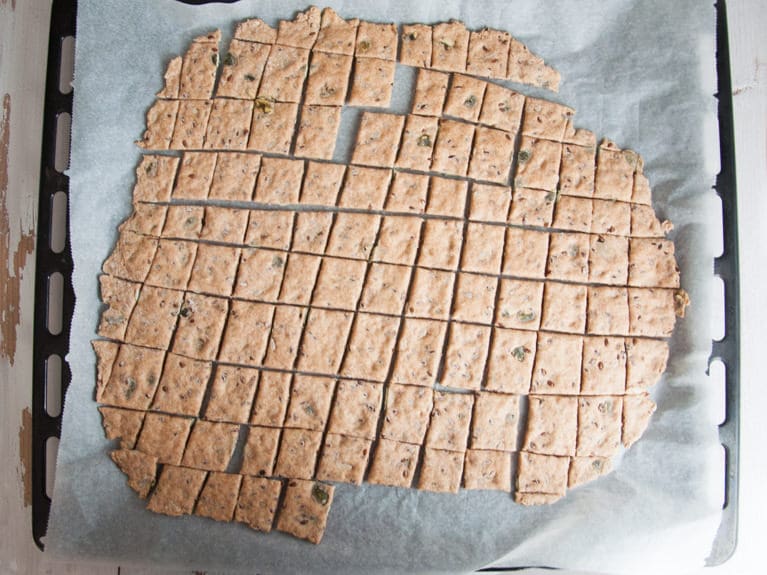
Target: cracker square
(510,361)
(431,294)
(491,155)
(552,425)
(154,178)
(298,453)
(279,181)
(464,98)
(336,35)
(608,259)
(447,197)
(576,172)
(527,68)
(519,304)
(140,468)
(328,79)
(160,120)
(407,193)
(176,491)
(525,253)
(317,132)
(154,317)
(645,363)
(106,352)
(378,139)
(486,469)
(172,79)
(532,207)
(489,203)
(200,325)
(257,502)
(604,366)
(586,469)
(353,235)
(356,409)
(483,248)
(247,333)
(441,470)
(324,340)
(580,136)
(272,127)
(260,451)
(285,336)
(210,445)
(611,217)
(284,74)
(474,298)
(226,225)
(302,31)
(495,420)
(243,67)
(122,424)
(450,46)
(184,222)
(232,391)
(538,164)
(376,41)
(465,356)
(234,176)
(568,257)
(545,119)
(645,223)
(419,351)
(298,281)
(641,193)
(398,240)
(365,188)
(637,411)
(219,496)
(651,312)
(599,425)
(191,124)
(120,297)
(322,182)
(542,474)
(564,308)
(260,275)
(214,270)
(339,283)
(557,364)
(228,125)
(430,93)
(310,399)
(133,379)
(269,229)
(450,420)
(198,70)
(614,178)
(370,347)
(415,49)
(608,310)
(164,436)
(271,403)
(452,148)
(393,463)
(312,231)
(488,53)
(652,263)
(418,139)
(441,242)
(195,175)
(406,415)
(304,511)
(502,108)
(372,82)
(182,385)
(344,459)
(572,213)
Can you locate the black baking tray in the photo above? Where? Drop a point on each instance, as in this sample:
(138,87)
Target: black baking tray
(46,344)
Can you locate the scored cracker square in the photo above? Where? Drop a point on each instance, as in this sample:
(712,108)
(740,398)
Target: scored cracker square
(450,421)
(365,188)
(599,425)
(637,411)
(465,356)
(585,469)
(344,459)
(447,197)
(538,164)
(324,341)
(234,176)
(418,137)
(356,409)
(483,248)
(228,125)
(406,415)
(164,437)
(260,451)
(304,511)
(200,324)
(247,333)
(452,148)
(122,424)
(183,222)
(651,312)
(568,257)
(298,281)
(579,136)
(177,490)
(210,445)
(407,193)
(310,399)
(552,425)
(486,469)
(431,294)
(336,35)
(604,366)
(652,263)
(106,352)
(576,173)
(120,297)
(339,283)
(525,253)
(279,181)
(489,203)
(441,244)
(172,264)
(260,275)
(133,379)
(488,53)
(641,194)
(645,222)
(474,298)
(287,325)
(269,229)
(284,74)
(464,98)
(430,92)
(441,470)
(272,127)
(544,119)
(608,259)
(608,311)
(564,308)
(302,31)
(378,138)
(198,70)
(317,132)
(491,155)
(572,213)
(312,230)
(322,182)
(298,453)
(214,270)
(154,178)
(353,235)
(147,219)
(450,46)
(495,420)
(328,79)
(614,178)
(398,240)
(191,124)
(419,351)
(226,225)
(182,385)
(519,304)
(415,49)
(272,399)
(544,474)
(557,367)
(219,496)
(611,217)
(532,207)
(372,82)
(370,347)
(140,468)
(645,363)
(257,502)
(393,463)
(243,67)
(527,68)
(510,361)
(231,394)
(376,40)
(502,108)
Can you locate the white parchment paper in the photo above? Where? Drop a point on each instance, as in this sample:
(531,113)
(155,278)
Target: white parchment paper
(640,72)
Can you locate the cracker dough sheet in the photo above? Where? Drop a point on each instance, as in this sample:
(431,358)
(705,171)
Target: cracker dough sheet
(640,73)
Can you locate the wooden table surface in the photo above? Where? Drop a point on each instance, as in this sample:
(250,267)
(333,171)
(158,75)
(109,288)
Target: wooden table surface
(23,47)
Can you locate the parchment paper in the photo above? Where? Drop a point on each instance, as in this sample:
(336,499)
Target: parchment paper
(639,72)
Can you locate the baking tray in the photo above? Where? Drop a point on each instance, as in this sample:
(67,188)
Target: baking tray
(50,263)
